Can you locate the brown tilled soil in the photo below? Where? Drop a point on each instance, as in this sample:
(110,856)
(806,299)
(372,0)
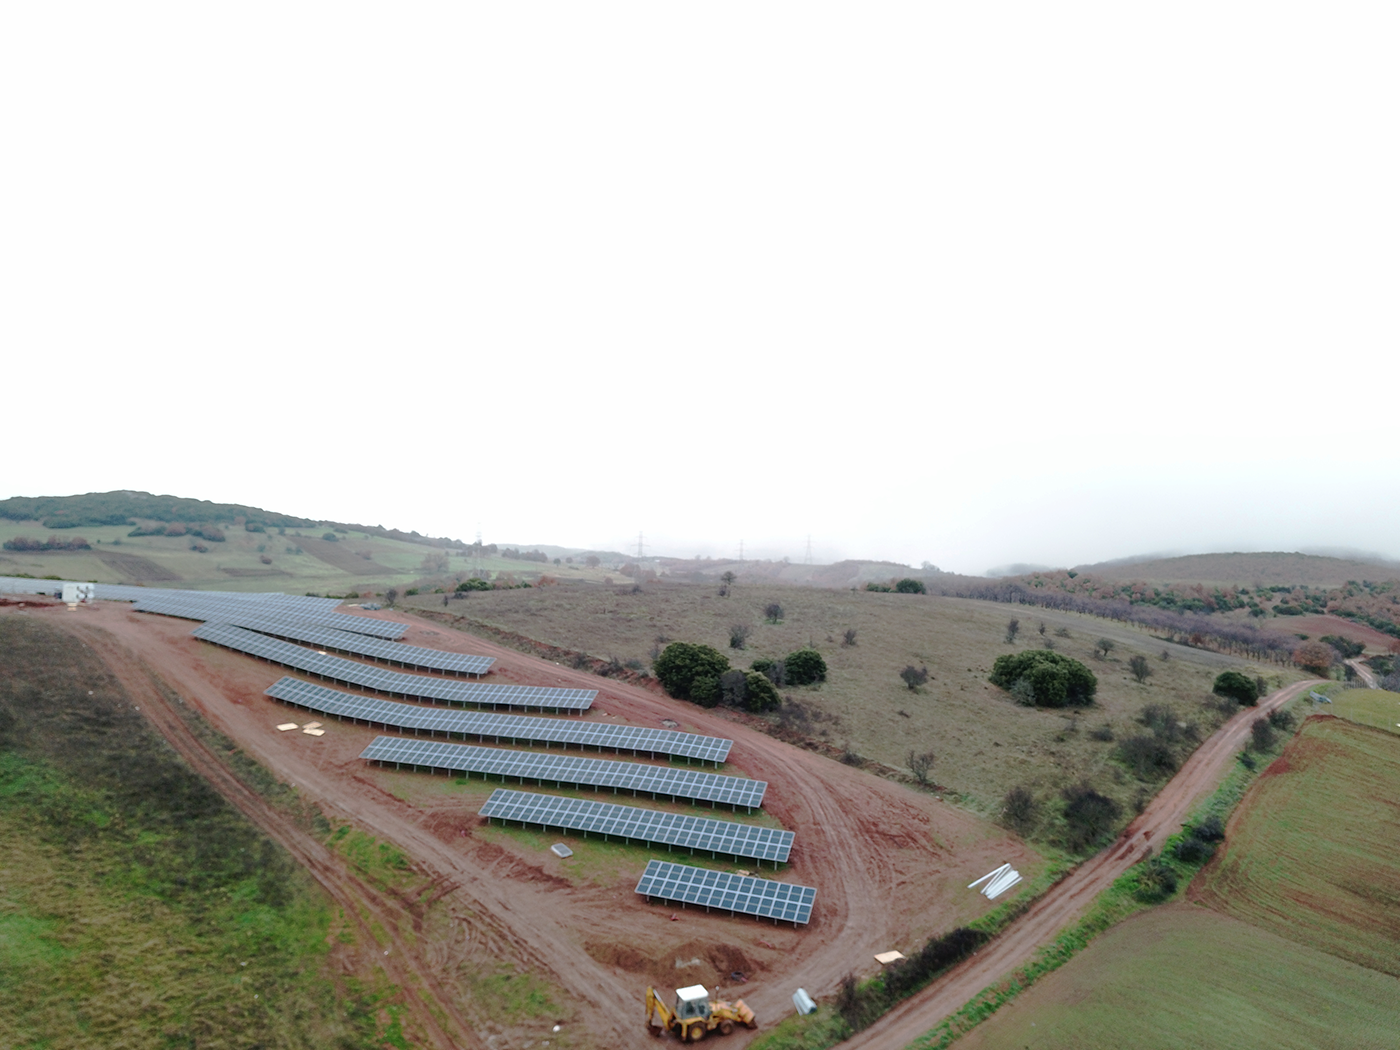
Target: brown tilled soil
(890,864)
(136,569)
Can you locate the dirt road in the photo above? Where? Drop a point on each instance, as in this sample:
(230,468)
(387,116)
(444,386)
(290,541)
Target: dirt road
(890,864)
(1367,675)
(1068,899)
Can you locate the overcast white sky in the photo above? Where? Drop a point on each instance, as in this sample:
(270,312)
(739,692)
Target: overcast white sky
(972,283)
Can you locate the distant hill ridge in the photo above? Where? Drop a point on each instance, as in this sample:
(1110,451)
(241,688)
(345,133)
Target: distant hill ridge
(1247,569)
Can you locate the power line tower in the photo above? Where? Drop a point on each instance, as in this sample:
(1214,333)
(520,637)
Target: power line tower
(641,548)
(741,550)
(478,557)
(809,549)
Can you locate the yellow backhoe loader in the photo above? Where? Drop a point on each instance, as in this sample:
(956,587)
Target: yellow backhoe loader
(696,1014)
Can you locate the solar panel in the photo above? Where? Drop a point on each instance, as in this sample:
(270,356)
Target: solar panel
(313,630)
(125,593)
(236,611)
(394,683)
(20,585)
(511,729)
(737,893)
(672,830)
(560,770)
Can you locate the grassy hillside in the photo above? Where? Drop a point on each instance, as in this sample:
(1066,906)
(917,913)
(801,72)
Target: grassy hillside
(137,908)
(1247,570)
(1310,854)
(983,741)
(1180,978)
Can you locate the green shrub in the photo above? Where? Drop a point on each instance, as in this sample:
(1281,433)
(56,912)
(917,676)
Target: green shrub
(1239,688)
(883,587)
(805,666)
(1156,881)
(1055,680)
(1089,816)
(474,584)
(682,665)
(774,670)
(762,696)
(910,586)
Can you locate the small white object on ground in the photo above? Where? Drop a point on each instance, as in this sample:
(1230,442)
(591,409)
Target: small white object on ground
(285,726)
(314,732)
(885,958)
(998,881)
(803,1001)
(312,725)
(561,850)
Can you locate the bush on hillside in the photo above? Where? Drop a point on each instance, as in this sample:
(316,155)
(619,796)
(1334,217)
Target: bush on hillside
(762,696)
(476,583)
(774,670)
(805,666)
(1089,816)
(685,670)
(1315,657)
(1237,687)
(909,585)
(1054,680)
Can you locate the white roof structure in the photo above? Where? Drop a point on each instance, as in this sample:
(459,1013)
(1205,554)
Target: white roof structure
(695,993)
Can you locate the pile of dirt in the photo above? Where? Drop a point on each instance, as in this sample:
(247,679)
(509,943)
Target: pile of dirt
(669,965)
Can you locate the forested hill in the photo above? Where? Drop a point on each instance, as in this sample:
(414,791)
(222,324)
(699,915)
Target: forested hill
(125,507)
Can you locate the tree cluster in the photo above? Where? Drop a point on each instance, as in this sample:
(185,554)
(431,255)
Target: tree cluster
(1089,816)
(1158,752)
(53,543)
(703,676)
(1044,678)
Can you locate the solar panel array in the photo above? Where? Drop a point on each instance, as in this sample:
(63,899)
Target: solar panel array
(596,773)
(394,682)
(644,825)
(515,729)
(315,631)
(237,611)
(20,585)
(119,592)
(738,893)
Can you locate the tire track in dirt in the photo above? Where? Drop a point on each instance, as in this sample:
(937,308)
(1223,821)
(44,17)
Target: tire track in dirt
(350,893)
(1068,899)
(888,861)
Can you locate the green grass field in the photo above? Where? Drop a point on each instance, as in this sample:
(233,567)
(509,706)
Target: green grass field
(983,741)
(1367,707)
(1311,852)
(1181,977)
(137,908)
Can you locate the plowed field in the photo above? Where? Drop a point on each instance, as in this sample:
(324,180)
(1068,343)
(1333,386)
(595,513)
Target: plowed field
(1311,854)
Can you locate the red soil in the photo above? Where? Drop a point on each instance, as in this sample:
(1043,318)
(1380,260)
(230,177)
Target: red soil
(890,864)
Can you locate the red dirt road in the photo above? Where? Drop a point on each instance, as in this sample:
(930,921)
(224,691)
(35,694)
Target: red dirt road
(890,864)
(1070,897)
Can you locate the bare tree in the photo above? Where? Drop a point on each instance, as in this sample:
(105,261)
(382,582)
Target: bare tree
(1141,669)
(739,635)
(728,579)
(849,638)
(773,612)
(921,766)
(914,677)
(1103,647)
(391,596)
(1013,628)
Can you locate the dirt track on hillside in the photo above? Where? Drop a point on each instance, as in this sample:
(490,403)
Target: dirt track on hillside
(890,864)
(1069,898)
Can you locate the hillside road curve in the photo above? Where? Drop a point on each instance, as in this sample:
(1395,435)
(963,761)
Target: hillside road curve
(1367,675)
(1069,898)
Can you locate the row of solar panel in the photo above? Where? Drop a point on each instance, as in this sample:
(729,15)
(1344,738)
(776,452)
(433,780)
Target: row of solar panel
(745,894)
(674,830)
(345,636)
(515,729)
(393,682)
(575,770)
(305,603)
(242,613)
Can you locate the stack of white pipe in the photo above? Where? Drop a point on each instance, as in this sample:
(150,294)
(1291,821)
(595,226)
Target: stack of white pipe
(997,882)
